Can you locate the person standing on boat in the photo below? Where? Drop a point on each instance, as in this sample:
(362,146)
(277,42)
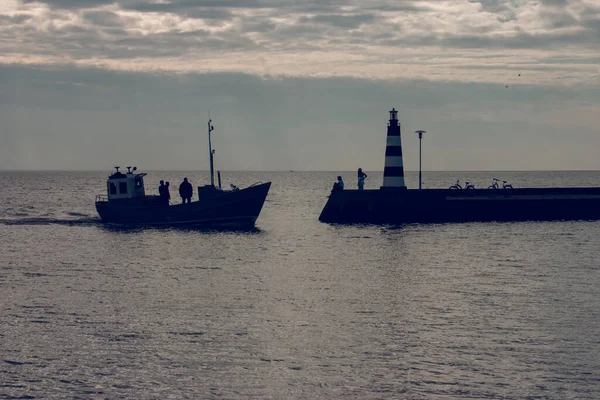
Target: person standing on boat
(361,179)
(163,191)
(167,194)
(186,191)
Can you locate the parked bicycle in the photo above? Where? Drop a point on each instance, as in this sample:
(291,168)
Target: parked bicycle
(495,184)
(457,185)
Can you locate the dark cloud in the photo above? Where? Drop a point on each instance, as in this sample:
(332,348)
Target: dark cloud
(173,6)
(190,9)
(70,4)
(566,60)
(257,25)
(502,8)
(522,40)
(396,6)
(555,3)
(555,20)
(186,6)
(341,21)
(306,36)
(103,18)
(592,23)
(494,6)
(591,9)
(209,13)
(14,19)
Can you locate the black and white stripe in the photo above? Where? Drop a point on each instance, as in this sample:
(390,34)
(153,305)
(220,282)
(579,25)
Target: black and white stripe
(393,173)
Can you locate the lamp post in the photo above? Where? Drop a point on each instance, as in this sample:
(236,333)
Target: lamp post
(211,153)
(420,133)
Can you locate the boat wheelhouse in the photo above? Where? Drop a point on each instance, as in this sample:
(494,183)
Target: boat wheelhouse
(124,185)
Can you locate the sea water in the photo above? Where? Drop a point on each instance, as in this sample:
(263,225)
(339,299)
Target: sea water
(294,309)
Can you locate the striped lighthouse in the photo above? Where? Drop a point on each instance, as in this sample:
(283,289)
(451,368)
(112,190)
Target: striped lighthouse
(393,172)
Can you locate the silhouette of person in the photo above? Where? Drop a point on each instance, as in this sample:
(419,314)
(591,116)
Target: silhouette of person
(190,191)
(186,191)
(161,189)
(361,179)
(339,185)
(167,194)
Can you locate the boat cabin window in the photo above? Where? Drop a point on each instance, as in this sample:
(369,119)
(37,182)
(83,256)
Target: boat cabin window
(138,182)
(122,187)
(113,188)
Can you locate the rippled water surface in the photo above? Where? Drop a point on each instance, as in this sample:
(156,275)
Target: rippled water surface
(295,309)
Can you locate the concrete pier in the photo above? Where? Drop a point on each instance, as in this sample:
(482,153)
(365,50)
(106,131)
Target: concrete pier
(389,206)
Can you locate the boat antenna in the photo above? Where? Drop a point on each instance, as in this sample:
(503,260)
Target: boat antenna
(211,152)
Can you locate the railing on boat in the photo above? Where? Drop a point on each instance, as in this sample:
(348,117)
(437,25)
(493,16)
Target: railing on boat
(101,198)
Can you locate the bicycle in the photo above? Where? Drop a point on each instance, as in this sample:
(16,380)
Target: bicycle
(458,186)
(495,185)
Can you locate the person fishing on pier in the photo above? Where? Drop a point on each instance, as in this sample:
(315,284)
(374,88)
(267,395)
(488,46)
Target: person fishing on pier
(339,185)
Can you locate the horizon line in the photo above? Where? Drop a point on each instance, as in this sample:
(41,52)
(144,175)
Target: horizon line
(305,170)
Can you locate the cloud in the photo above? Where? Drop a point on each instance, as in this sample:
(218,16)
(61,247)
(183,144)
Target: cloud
(555,3)
(340,21)
(14,19)
(495,6)
(374,39)
(103,18)
(71,4)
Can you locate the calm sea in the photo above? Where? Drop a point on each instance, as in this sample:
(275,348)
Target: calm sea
(295,309)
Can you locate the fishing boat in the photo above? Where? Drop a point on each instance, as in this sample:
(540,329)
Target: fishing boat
(126,202)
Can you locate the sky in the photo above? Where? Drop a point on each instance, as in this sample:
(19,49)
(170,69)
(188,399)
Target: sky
(299,85)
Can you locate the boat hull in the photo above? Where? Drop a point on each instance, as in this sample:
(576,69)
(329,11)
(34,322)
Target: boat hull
(388,206)
(226,209)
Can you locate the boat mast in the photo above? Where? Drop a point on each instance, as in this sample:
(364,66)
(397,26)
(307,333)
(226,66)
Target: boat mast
(211,152)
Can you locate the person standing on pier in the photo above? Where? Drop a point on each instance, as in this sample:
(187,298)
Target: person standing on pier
(361,179)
